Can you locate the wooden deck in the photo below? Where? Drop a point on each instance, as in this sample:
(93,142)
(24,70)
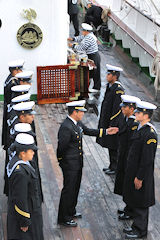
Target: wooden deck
(97,202)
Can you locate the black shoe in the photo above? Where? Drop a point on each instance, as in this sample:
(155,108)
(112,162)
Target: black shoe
(127,230)
(135,235)
(105,169)
(110,172)
(77,215)
(120,211)
(76,34)
(68,223)
(123,216)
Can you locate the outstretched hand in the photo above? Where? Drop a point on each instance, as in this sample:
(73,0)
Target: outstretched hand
(112,130)
(137,183)
(24,229)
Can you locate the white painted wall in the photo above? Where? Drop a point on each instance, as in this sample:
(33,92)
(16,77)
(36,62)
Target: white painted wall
(53,20)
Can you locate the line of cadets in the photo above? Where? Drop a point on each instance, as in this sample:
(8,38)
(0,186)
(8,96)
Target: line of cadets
(134,149)
(22,175)
(131,154)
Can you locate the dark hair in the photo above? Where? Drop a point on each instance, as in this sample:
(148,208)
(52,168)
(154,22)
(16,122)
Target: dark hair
(21,150)
(13,147)
(132,106)
(71,110)
(116,74)
(11,69)
(149,112)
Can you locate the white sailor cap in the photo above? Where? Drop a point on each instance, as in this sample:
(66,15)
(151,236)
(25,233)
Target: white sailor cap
(25,76)
(128,100)
(87,27)
(21,98)
(21,88)
(25,141)
(143,106)
(77,105)
(111,68)
(24,128)
(25,108)
(17,64)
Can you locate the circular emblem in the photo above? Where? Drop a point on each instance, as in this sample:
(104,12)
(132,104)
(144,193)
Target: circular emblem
(29,35)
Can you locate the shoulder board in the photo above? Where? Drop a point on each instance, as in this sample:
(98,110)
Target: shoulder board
(119,84)
(153,129)
(17,167)
(134,128)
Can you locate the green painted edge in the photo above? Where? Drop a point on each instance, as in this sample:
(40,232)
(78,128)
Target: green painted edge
(33,97)
(135,60)
(1,98)
(105,43)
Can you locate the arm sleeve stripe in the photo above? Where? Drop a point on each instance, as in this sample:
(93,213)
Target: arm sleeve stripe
(25,214)
(101,132)
(115,115)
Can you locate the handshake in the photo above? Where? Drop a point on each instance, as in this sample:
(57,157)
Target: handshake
(112,130)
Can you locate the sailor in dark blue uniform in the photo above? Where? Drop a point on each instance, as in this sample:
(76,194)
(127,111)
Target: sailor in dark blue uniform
(126,130)
(24,215)
(111,115)
(12,119)
(70,157)
(139,189)
(14,68)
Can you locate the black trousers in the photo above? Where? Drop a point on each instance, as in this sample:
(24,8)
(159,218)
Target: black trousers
(112,158)
(69,195)
(128,210)
(96,72)
(140,220)
(74,20)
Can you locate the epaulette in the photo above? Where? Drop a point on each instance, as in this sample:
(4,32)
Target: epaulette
(134,128)
(152,128)
(17,168)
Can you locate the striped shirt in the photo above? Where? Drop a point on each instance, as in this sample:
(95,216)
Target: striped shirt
(87,44)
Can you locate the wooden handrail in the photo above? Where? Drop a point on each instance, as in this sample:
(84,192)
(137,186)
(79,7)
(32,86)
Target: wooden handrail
(133,35)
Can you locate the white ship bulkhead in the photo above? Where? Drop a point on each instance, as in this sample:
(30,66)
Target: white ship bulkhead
(53,20)
(141,17)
